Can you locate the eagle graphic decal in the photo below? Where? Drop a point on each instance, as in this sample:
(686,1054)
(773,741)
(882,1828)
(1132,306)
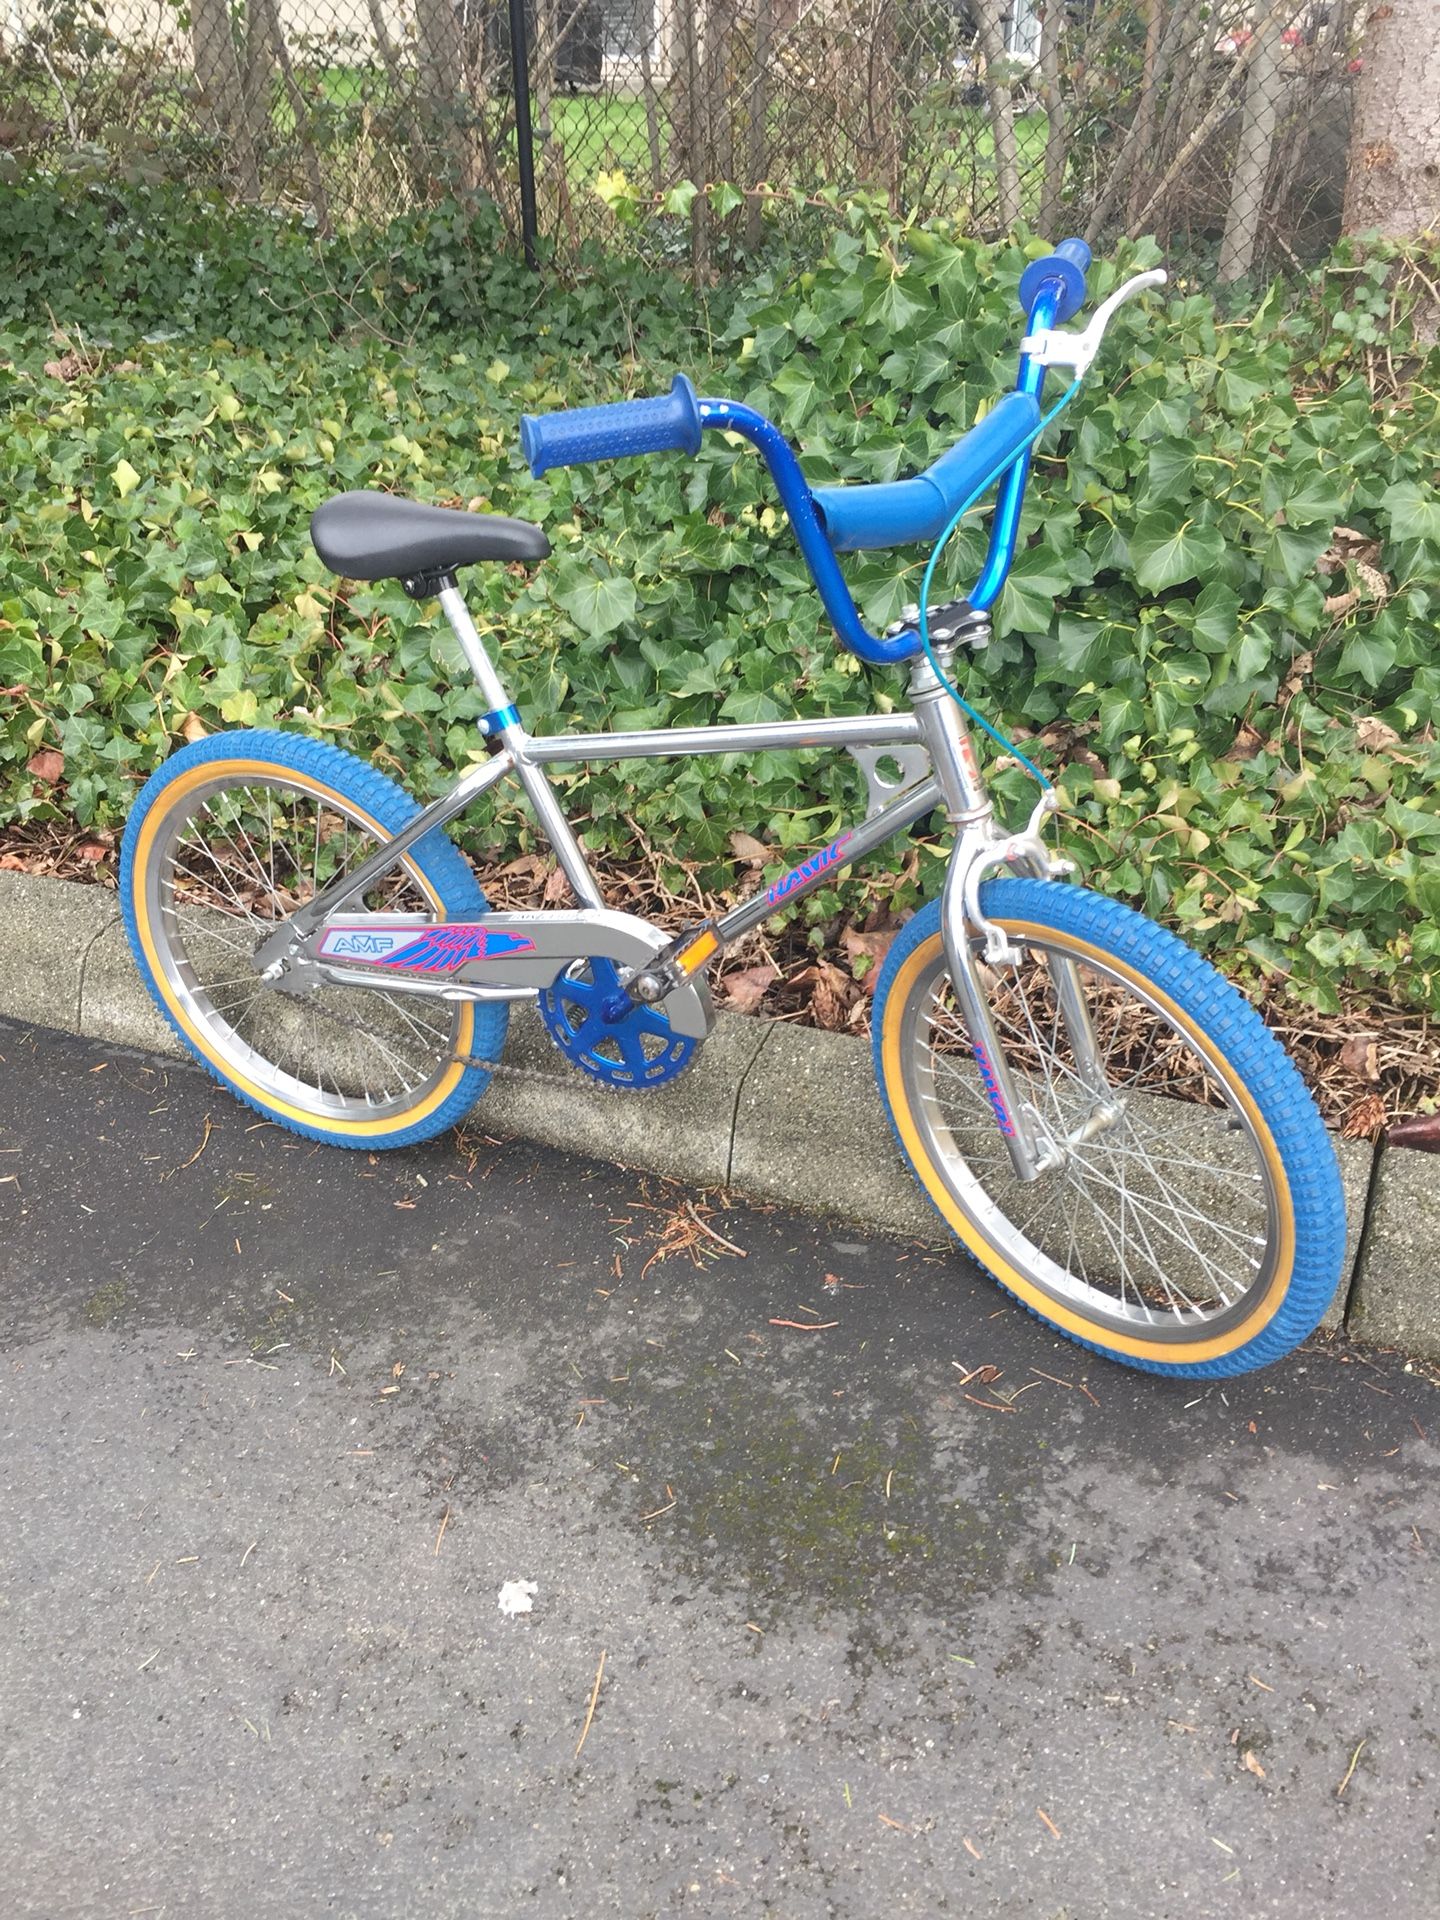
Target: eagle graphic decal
(443,949)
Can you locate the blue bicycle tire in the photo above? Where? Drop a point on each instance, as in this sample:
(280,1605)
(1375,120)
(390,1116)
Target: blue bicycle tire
(379,808)
(1125,954)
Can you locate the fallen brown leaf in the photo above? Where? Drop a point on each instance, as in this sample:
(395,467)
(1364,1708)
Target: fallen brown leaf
(831,999)
(1373,734)
(1365,1120)
(872,947)
(745,989)
(46,765)
(745,846)
(1248,742)
(1360,1056)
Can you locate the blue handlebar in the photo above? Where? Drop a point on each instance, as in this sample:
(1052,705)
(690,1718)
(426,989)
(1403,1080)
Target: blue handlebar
(1065,270)
(895,513)
(830,520)
(572,438)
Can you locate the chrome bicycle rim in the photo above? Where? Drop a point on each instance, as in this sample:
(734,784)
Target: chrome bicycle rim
(1163,1215)
(232,860)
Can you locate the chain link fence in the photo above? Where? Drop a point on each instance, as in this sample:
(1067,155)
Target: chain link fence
(1222,127)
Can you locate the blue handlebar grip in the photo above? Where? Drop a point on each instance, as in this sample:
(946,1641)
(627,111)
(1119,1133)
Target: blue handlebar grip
(572,438)
(1066,267)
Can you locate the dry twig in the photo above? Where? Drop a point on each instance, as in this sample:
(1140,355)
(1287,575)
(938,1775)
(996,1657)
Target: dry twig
(594,1696)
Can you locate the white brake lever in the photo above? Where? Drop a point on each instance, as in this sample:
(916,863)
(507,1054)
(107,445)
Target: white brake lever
(1052,348)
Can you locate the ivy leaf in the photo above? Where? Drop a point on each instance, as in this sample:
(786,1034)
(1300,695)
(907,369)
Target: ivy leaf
(1120,713)
(1314,498)
(1290,552)
(1368,654)
(1166,551)
(895,309)
(1253,653)
(599,603)
(1216,611)
(125,477)
(933,362)
(799,387)
(1290,898)
(1159,414)
(1414,512)
(1169,466)
(752,707)
(1239,391)
(1037,580)
(1087,646)
(677,201)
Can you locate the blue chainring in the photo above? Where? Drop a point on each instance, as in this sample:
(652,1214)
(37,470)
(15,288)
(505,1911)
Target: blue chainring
(602,1031)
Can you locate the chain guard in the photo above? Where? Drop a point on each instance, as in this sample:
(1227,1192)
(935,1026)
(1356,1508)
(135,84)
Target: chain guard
(606,1035)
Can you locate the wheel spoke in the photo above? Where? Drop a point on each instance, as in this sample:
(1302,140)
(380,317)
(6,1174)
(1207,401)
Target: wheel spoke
(1156,1216)
(233,861)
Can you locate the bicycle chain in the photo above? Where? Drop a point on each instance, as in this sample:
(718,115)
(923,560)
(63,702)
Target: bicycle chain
(572,1079)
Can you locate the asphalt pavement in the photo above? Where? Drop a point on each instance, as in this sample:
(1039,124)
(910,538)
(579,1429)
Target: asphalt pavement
(857,1593)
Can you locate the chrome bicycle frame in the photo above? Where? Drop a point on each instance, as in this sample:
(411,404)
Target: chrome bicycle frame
(934,728)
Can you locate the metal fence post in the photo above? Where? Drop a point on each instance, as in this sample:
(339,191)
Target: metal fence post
(524,137)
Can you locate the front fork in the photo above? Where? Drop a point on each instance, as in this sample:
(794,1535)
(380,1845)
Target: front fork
(980,847)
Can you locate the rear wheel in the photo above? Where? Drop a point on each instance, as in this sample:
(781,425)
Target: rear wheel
(1195,1224)
(227,839)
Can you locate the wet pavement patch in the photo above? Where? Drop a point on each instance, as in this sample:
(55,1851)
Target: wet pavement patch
(904,1605)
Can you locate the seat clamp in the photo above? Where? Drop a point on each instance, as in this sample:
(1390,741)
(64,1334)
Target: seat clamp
(425,586)
(497,720)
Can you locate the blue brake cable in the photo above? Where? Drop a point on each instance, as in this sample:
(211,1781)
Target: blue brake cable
(939,547)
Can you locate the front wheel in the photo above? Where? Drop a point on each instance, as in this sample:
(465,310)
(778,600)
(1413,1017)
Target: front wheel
(225,841)
(1195,1223)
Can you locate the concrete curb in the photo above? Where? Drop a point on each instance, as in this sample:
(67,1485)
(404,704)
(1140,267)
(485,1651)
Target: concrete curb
(747,1115)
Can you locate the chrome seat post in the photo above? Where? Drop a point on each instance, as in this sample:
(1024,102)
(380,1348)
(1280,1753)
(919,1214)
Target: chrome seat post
(505,727)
